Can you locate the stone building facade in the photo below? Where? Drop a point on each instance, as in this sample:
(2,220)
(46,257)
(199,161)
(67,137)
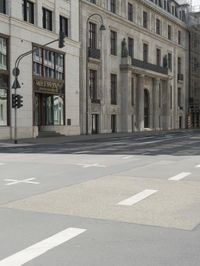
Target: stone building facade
(133,74)
(194,73)
(48,77)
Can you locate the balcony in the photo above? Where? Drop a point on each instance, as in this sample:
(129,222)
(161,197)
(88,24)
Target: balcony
(97,101)
(180,77)
(149,66)
(94,53)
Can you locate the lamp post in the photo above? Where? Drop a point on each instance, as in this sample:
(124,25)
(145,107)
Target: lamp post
(102,27)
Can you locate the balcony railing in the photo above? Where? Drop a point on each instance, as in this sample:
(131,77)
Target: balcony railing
(94,53)
(180,77)
(149,66)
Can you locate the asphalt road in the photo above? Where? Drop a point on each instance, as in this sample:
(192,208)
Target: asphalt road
(118,200)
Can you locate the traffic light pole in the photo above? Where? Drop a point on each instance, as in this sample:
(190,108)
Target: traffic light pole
(16,72)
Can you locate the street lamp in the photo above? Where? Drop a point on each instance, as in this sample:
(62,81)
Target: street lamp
(102,27)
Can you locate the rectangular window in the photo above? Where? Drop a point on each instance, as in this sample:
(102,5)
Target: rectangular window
(158,26)
(113,6)
(169,32)
(132,91)
(131,47)
(170,61)
(158,57)
(93,1)
(93,84)
(47,19)
(145,19)
(4,100)
(64,25)
(49,64)
(28,11)
(3,6)
(145,52)
(113,78)
(113,123)
(179,37)
(113,41)
(179,97)
(130,12)
(179,65)
(92,35)
(3,54)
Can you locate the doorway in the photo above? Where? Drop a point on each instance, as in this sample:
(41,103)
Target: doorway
(146,108)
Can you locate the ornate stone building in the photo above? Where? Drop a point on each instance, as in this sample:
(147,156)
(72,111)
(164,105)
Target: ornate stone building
(48,77)
(133,74)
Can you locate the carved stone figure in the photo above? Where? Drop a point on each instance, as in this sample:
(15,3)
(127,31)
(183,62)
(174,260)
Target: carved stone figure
(165,63)
(124,52)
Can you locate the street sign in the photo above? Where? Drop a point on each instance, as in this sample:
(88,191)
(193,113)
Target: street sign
(16,71)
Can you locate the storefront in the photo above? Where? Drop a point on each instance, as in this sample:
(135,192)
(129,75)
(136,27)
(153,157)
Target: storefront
(4,82)
(48,88)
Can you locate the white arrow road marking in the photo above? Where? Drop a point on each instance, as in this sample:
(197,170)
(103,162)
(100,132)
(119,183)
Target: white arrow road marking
(179,176)
(197,166)
(127,157)
(15,181)
(85,165)
(40,248)
(138,197)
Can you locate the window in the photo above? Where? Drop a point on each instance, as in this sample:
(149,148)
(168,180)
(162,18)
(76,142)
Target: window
(179,98)
(179,37)
(3,54)
(169,61)
(158,57)
(93,84)
(92,35)
(145,52)
(113,123)
(113,41)
(47,19)
(145,19)
(28,11)
(132,91)
(179,65)
(169,32)
(93,1)
(113,89)
(64,25)
(130,12)
(49,64)
(113,6)
(158,26)
(3,6)
(131,47)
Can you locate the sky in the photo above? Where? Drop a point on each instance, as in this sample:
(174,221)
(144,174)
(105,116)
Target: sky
(196,2)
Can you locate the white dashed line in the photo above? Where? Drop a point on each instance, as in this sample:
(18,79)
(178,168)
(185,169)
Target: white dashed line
(179,176)
(127,157)
(138,197)
(2,164)
(80,152)
(84,165)
(197,166)
(28,254)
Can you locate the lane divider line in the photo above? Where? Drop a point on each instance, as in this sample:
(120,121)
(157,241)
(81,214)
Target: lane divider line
(137,198)
(41,247)
(197,166)
(179,176)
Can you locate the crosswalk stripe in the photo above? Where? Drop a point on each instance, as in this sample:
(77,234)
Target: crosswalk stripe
(40,248)
(179,176)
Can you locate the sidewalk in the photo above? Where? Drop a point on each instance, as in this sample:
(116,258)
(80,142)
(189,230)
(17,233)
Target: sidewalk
(80,138)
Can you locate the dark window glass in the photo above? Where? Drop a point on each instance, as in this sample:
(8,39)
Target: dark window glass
(158,26)
(113,40)
(92,35)
(179,97)
(179,65)
(3,6)
(113,89)
(158,57)
(113,6)
(48,64)
(28,11)
(145,19)
(179,37)
(93,1)
(169,32)
(145,52)
(64,25)
(170,61)
(131,47)
(3,54)
(130,12)
(47,19)
(93,84)
(132,91)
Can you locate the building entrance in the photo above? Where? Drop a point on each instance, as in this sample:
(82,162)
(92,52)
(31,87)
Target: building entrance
(48,110)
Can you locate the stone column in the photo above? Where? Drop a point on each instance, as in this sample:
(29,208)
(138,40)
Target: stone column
(140,103)
(156,110)
(166,104)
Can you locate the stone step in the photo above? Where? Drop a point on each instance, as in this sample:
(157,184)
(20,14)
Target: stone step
(48,134)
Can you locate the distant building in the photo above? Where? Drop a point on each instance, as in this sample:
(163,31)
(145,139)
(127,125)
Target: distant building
(137,68)
(48,78)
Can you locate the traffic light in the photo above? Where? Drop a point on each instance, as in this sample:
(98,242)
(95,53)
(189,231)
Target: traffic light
(61,40)
(17,100)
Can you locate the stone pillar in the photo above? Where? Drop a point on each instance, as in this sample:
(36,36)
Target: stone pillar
(166,105)
(156,110)
(140,103)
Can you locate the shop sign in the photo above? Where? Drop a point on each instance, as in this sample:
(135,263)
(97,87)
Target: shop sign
(48,86)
